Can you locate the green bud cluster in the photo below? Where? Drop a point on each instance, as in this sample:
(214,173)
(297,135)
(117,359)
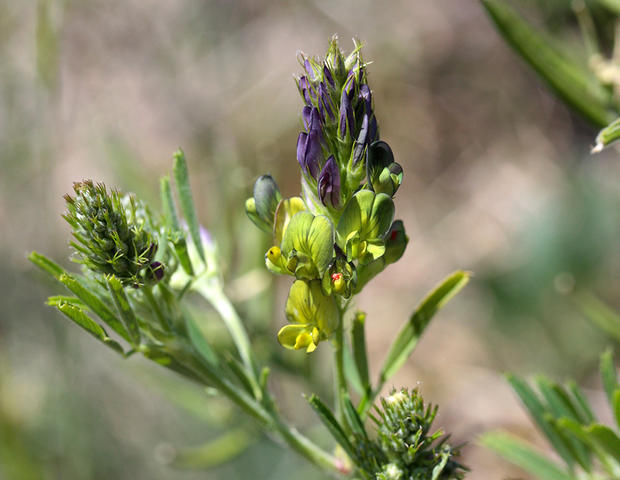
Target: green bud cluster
(412,451)
(112,236)
(340,232)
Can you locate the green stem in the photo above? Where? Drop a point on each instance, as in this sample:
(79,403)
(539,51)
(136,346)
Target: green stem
(340,380)
(215,296)
(163,322)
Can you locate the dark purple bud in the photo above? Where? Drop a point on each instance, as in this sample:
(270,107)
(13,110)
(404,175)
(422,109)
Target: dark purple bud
(329,184)
(372,130)
(346,115)
(366,96)
(361,142)
(156,271)
(325,102)
(309,69)
(313,153)
(349,84)
(327,75)
(306,91)
(306,113)
(315,123)
(301,149)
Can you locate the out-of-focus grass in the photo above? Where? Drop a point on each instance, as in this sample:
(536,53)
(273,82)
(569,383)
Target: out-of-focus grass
(497,181)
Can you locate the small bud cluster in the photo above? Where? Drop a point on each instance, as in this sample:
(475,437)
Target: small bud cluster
(404,435)
(112,235)
(340,232)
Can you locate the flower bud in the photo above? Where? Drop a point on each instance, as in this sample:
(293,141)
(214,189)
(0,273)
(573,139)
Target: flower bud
(113,234)
(329,184)
(262,207)
(384,174)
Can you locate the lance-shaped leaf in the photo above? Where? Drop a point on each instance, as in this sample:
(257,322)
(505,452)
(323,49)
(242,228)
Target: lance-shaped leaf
(358,343)
(76,314)
(172,222)
(572,82)
(121,302)
(524,456)
(608,374)
(181,179)
(607,136)
(600,314)
(362,227)
(310,240)
(329,420)
(312,316)
(214,452)
(285,210)
(410,334)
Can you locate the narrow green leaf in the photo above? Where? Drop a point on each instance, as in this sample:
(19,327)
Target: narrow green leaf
(172,220)
(241,374)
(608,374)
(328,419)
(538,413)
(199,342)
(46,264)
(123,307)
(616,406)
(181,179)
(95,304)
(572,82)
(78,316)
(350,371)
(586,414)
(56,300)
(358,343)
(352,417)
(524,456)
(556,398)
(600,314)
(410,334)
(214,452)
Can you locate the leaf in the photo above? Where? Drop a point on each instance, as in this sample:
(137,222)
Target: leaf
(181,179)
(177,236)
(358,343)
(524,456)
(94,303)
(613,5)
(585,412)
(199,342)
(538,412)
(46,264)
(123,307)
(328,419)
(608,374)
(352,417)
(407,339)
(573,83)
(600,314)
(214,452)
(312,240)
(78,316)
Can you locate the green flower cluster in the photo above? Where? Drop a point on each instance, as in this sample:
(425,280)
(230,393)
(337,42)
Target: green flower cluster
(111,234)
(340,232)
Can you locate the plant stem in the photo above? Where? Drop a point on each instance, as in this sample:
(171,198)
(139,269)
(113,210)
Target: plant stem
(340,381)
(163,322)
(215,296)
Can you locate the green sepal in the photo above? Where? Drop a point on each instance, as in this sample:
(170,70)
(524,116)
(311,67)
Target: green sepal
(365,220)
(341,276)
(310,240)
(285,210)
(123,307)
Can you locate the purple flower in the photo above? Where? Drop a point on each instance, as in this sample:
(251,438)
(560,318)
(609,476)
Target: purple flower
(325,102)
(366,96)
(346,115)
(329,184)
(362,141)
(309,69)
(306,90)
(310,152)
(327,75)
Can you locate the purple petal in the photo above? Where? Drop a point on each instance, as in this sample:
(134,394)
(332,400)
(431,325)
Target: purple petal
(309,69)
(306,91)
(324,102)
(315,121)
(301,149)
(366,96)
(328,76)
(346,115)
(361,142)
(372,130)
(313,153)
(306,116)
(329,184)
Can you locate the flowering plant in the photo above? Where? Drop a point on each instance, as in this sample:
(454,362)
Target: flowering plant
(139,268)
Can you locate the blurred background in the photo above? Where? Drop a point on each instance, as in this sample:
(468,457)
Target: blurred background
(498,180)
